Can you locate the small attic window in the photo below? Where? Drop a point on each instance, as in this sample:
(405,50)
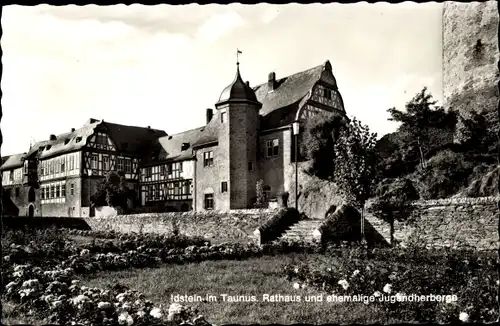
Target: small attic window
(184,146)
(169,137)
(48,147)
(66,141)
(78,139)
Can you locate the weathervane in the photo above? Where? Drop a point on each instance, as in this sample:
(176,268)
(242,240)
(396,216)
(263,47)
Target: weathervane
(238,52)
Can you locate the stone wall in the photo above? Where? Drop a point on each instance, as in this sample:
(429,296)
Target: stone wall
(234,226)
(449,222)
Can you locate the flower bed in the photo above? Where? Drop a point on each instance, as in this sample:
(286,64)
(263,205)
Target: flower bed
(391,274)
(41,277)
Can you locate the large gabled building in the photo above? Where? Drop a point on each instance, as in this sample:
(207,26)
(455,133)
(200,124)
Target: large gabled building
(248,137)
(59,174)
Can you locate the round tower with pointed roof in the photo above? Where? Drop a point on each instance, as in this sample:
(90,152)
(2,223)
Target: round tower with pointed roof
(238,116)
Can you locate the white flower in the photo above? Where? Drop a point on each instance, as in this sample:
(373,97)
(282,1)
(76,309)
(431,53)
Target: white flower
(304,285)
(85,252)
(57,303)
(344,284)
(79,299)
(75,282)
(377,294)
(103,305)
(464,317)
(156,313)
(120,297)
(126,306)
(328,269)
(498,282)
(11,284)
(387,288)
(141,313)
(175,308)
(296,286)
(125,319)
(392,277)
(296,270)
(30,283)
(356,272)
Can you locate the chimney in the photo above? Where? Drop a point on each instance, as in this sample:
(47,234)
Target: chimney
(53,137)
(248,83)
(271,81)
(72,129)
(210,114)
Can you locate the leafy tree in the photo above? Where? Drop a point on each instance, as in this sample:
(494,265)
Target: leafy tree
(318,139)
(422,114)
(473,132)
(113,191)
(393,201)
(355,164)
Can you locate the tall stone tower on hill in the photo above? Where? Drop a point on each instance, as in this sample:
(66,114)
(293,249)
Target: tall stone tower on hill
(470,57)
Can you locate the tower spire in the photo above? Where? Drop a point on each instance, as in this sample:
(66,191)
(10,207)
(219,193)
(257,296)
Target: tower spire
(238,52)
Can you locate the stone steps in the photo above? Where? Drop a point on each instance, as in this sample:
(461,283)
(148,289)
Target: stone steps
(301,231)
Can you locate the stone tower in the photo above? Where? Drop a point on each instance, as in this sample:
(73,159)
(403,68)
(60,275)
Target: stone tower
(470,57)
(238,108)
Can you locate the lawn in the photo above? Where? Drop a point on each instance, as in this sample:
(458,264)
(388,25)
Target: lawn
(256,276)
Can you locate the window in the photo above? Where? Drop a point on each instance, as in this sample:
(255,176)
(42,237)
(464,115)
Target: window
(17,192)
(56,163)
(157,191)
(208,158)
(52,191)
(72,189)
(119,163)
(93,161)
(101,139)
(58,194)
(180,167)
(169,169)
(42,170)
(162,169)
(42,193)
(250,166)
(105,163)
(223,116)
(71,163)
(63,191)
(223,186)
(63,164)
(11,175)
(209,201)
(327,93)
(273,147)
(128,166)
(149,172)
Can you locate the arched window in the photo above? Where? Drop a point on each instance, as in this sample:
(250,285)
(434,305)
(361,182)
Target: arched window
(209,199)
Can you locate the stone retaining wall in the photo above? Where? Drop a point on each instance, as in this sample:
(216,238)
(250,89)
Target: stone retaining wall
(235,225)
(450,222)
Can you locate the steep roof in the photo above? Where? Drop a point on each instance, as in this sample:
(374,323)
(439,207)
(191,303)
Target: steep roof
(280,105)
(128,139)
(133,140)
(12,161)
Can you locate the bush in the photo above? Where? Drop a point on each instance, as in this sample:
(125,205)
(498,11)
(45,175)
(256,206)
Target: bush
(445,174)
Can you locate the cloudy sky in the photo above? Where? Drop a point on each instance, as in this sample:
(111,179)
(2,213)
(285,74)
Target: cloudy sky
(163,65)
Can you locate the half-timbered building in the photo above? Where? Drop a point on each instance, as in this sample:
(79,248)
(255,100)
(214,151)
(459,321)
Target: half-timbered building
(246,138)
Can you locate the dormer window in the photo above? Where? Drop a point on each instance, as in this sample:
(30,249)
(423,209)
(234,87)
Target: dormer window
(78,139)
(184,146)
(48,147)
(66,141)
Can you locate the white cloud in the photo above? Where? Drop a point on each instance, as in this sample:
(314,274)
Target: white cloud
(219,25)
